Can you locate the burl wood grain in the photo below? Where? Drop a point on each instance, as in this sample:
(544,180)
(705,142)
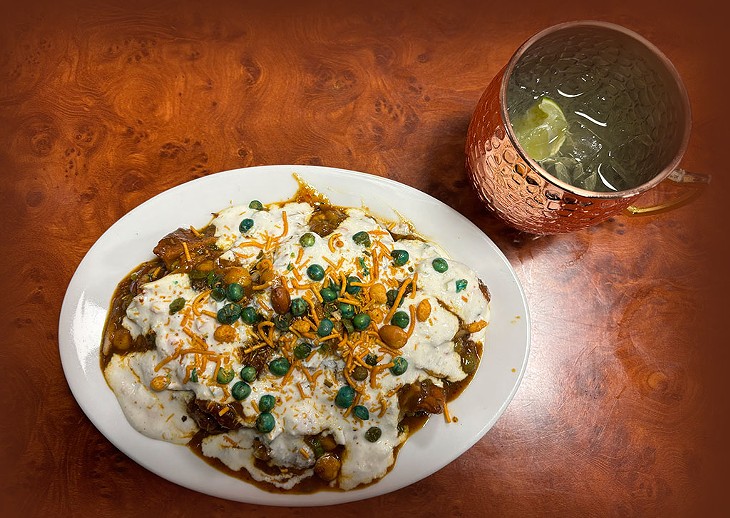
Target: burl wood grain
(104,105)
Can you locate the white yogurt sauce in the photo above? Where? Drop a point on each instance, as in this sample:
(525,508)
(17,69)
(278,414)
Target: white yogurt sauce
(305,407)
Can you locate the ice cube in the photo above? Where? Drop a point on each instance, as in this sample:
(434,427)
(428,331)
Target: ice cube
(581,142)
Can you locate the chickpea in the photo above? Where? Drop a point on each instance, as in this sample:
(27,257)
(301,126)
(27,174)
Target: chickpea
(225,333)
(377,315)
(393,336)
(301,326)
(159,383)
(238,275)
(328,442)
(327,467)
(122,340)
(423,310)
(378,293)
(477,326)
(205,266)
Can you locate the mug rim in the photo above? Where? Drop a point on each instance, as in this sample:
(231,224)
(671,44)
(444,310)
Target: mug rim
(663,59)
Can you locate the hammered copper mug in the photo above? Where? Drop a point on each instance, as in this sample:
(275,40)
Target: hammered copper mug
(524,194)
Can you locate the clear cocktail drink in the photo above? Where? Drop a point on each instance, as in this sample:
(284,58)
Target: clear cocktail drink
(594,110)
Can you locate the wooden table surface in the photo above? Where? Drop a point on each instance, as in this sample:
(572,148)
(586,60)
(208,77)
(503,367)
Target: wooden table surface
(104,105)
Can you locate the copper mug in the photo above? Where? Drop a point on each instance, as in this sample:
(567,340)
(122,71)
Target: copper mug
(524,194)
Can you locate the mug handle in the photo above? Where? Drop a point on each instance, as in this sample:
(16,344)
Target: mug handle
(694,183)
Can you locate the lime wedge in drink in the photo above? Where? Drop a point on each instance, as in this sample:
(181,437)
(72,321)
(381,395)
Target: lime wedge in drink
(541,129)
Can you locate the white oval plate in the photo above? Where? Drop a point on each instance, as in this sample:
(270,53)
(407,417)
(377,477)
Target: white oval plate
(131,239)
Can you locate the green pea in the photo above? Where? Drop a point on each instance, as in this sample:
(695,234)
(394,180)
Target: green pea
(361,238)
(234,292)
(299,307)
(176,305)
(218,293)
(461,285)
(346,310)
(307,240)
(282,322)
(279,366)
(302,351)
(359,373)
(315,272)
(361,412)
(248,373)
(265,422)
(194,375)
(229,313)
(440,265)
(345,396)
(256,205)
(225,376)
(371,359)
(373,434)
(246,225)
(325,327)
(328,294)
(361,321)
(334,286)
(400,257)
(400,365)
(266,403)
(353,290)
(249,315)
(400,319)
(392,294)
(241,390)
